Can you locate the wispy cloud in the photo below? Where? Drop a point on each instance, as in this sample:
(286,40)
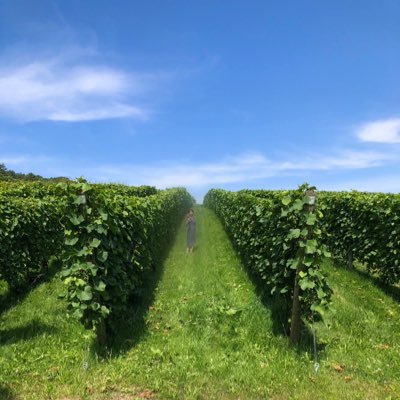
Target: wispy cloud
(344,160)
(382,131)
(57,89)
(244,168)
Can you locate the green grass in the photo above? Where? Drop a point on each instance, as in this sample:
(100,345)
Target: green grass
(202,332)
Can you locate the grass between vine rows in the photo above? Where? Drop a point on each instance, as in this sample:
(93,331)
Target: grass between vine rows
(202,332)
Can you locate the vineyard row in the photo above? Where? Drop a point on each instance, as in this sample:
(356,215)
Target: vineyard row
(107,236)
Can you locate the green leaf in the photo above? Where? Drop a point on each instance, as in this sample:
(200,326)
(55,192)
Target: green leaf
(286,201)
(94,243)
(304,233)
(232,311)
(71,241)
(294,264)
(65,272)
(76,220)
(306,284)
(103,256)
(294,234)
(308,260)
(101,286)
(326,253)
(78,314)
(311,246)
(104,311)
(103,215)
(80,199)
(311,219)
(318,309)
(80,282)
(85,295)
(86,188)
(297,205)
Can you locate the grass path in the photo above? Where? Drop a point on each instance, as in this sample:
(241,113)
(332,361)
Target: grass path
(204,334)
(207,331)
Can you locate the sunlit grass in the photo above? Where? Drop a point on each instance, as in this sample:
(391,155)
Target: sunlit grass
(204,334)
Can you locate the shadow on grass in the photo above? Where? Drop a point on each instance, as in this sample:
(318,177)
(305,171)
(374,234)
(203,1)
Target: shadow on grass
(22,333)
(125,332)
(280,308)
(280,315)
(6,393)
(390,290)
(10,298)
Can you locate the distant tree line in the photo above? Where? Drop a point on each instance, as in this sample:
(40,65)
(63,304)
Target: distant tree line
(10,175)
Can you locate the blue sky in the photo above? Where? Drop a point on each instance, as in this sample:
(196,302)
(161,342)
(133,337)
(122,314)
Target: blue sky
(230,94)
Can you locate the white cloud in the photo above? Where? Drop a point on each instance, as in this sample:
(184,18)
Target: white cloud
(382,131)
(350,159)
(242,169)
(112,111)
(55,90)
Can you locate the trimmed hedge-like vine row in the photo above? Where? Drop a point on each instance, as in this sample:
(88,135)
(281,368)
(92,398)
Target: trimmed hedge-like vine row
(110,241)
(364,227)
(279,239)
(41,189)
(359,226)
(33,221)
(30,233)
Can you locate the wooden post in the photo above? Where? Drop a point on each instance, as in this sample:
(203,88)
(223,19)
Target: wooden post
(350,259)
(295,325)
(101,333)
(101,329)
(296,312)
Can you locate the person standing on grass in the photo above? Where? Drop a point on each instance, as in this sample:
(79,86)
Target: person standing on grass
(191,231)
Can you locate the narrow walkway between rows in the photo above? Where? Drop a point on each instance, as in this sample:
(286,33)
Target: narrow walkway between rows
(208,334)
